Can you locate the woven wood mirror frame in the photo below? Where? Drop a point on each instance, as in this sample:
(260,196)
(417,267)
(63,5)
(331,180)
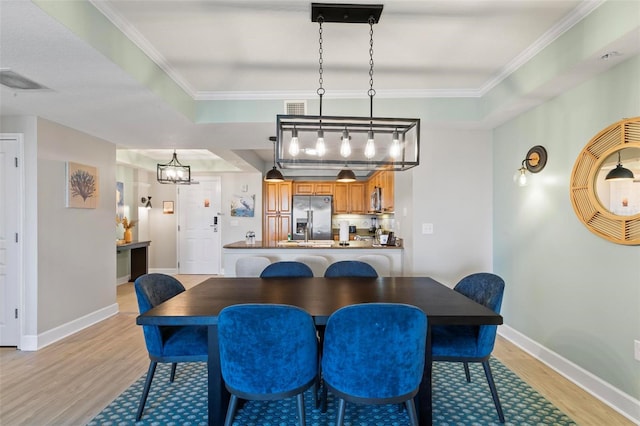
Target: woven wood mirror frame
(618,229)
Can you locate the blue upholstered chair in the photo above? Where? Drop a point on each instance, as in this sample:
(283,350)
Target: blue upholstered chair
(472,343)
(267,352)
(350,268)
(287,269)
(166,344)
(374,354)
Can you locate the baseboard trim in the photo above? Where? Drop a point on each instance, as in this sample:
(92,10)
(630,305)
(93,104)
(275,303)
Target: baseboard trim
(34,343)
(167,271)
(616,399)
(122,280)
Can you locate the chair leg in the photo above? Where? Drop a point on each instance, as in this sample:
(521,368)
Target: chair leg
(323,398)
(494,391)
(466,372)
(231,411)
(145,390)
(411,411)
(301,418)
(173,371)
(341,409)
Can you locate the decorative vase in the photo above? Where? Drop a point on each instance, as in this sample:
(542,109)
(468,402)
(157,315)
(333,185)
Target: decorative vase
(127,235)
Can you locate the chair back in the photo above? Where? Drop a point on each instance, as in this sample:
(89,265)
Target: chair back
(350,268)
(267,349)
(251,266)
(152,290)
(318,264)
(375,351)
(486,289)
(381,263)
(287,269)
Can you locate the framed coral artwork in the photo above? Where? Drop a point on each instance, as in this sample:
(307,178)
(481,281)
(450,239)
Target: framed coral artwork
(82,189)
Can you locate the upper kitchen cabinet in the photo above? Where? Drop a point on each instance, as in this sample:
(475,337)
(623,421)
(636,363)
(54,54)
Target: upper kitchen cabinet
(277,212)
(312,188)
(385,180)
(277,198)
(349,198)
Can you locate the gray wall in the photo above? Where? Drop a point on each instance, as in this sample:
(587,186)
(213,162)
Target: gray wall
(567,289)
(76,253)
(451,189)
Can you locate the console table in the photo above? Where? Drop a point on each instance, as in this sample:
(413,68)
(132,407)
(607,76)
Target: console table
(139,258)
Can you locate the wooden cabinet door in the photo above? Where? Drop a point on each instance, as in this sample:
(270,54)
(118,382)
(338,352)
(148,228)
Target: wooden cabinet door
(303,188)
(356,198)
(271,200)
(388,193)
(323,188)
(340,198)
(284,196)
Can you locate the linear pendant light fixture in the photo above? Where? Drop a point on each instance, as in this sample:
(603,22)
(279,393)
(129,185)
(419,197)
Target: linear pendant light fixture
(347,143)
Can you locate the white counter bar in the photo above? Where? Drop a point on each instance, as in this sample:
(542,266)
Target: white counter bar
(331,250)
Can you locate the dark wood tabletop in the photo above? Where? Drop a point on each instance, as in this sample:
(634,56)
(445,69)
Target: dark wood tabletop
(320,297)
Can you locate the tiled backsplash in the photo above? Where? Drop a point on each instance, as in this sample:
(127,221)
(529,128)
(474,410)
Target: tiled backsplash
(363,221)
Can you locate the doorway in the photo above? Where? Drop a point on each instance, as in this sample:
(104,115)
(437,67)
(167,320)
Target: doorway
(199,207)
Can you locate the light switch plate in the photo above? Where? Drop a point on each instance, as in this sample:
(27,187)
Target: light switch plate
(427,228)
(636,349)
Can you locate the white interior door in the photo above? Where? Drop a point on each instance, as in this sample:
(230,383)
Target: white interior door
(199,227)
(10,240)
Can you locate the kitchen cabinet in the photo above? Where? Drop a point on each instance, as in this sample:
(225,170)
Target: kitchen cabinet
(277,211)
(349,198)
(385,180)
(312,188)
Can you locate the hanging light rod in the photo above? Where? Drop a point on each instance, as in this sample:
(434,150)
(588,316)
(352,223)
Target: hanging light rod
(346,13)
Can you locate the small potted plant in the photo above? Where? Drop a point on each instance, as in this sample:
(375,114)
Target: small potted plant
(127,225)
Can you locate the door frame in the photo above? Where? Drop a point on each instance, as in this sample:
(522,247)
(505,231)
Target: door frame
(20,202)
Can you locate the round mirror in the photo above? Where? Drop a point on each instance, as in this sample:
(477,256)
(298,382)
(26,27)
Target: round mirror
(605,187)
(617,183)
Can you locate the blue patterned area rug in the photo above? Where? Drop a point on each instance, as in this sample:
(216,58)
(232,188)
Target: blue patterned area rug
(455,402)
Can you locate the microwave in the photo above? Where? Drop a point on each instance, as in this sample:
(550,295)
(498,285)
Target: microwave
(376,199)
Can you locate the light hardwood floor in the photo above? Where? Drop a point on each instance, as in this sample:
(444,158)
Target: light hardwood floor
(70,381)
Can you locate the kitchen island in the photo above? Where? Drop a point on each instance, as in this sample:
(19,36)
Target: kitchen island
(332,251)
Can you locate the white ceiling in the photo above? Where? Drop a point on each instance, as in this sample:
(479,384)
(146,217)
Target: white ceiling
(241,49)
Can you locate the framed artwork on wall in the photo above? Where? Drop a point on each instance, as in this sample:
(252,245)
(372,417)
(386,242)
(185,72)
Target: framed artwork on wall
(243,205)
(167,207)
(120,200)
(82,189)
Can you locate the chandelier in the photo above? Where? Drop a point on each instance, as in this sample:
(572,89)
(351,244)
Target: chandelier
(173,172)
(347,143)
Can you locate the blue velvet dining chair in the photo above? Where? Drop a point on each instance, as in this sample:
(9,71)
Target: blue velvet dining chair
(350,268)
(467,344)
(287,269)
(170,344)
(374,354)
(267,352)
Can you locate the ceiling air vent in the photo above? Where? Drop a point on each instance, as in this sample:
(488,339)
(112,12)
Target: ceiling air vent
(16,81)
(295,107)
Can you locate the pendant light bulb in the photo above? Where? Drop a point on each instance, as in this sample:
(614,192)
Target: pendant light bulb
(394,151)
(345,147)
(370,148)
(294,145)
(320,147)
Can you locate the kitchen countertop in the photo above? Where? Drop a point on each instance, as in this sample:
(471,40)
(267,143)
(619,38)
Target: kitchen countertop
(323,244)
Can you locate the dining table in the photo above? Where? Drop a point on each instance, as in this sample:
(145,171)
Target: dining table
(201,305)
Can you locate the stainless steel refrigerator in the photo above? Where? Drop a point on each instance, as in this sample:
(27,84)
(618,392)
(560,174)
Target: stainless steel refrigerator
(312,214)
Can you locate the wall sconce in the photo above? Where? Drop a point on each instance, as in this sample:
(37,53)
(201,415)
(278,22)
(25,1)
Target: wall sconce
(534,162)
(146,201)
